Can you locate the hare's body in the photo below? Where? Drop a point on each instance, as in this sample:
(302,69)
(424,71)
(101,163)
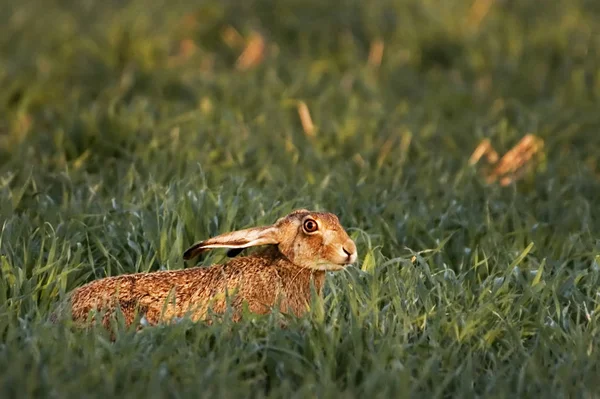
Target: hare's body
(260,281)
(302,247)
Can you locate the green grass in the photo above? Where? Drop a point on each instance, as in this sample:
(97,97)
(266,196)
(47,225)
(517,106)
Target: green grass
(115,156)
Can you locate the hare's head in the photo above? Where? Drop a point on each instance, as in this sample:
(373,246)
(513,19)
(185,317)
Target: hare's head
(313,240)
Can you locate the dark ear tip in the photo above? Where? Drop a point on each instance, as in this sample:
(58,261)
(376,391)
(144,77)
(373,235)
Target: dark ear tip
(191,252)
(233,252)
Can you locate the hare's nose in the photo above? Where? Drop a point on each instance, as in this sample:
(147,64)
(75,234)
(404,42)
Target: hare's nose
(350,251)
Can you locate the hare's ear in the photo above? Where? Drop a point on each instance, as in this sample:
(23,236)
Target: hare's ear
(236,240)
(233,252)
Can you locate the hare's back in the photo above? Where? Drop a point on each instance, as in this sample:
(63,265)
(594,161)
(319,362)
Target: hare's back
(146,287)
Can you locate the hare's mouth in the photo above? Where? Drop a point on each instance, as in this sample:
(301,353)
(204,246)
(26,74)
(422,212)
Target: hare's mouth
(329,267)
(334,266)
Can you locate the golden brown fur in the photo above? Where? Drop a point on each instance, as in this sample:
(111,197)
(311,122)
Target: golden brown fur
(280,274)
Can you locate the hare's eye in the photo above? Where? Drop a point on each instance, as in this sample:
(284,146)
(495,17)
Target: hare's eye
(310,226)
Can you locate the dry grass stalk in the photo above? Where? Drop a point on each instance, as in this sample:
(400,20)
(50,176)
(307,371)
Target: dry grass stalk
(305,119)
(376,53)
(232,37)
(359,160)
(386,148)
(253,53)
(513,165)
(484,149)
(187,48)
(478,11)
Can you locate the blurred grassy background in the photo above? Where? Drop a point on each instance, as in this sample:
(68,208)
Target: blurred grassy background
(129,129)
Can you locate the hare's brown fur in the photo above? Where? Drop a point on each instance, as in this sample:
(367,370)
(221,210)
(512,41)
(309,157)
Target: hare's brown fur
(258,280)
(282,274)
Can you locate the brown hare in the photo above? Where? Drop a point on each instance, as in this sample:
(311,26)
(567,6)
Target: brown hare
(302,246)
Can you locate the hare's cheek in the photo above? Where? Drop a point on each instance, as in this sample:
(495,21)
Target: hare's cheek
(329,239)
(327,254)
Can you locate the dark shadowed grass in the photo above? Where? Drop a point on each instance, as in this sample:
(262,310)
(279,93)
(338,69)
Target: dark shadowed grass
(118,149)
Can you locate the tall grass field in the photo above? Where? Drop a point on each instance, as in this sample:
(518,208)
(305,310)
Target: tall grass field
(130,129)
